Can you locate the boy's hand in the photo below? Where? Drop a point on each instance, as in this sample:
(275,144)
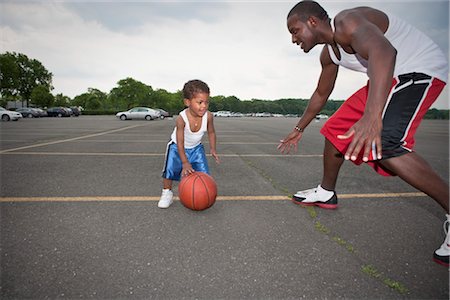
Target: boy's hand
(187,169)
(216,157)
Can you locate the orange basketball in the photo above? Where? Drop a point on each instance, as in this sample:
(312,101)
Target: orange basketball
(197,191)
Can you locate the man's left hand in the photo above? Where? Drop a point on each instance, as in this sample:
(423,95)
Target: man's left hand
(366,135)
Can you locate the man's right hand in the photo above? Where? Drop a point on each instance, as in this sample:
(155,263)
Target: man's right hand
(289,142)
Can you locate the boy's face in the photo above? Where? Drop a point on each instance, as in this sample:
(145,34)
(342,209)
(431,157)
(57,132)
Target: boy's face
(198,105)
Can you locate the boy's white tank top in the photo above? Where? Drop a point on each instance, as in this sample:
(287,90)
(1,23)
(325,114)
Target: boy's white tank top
(416,52)
(191,139)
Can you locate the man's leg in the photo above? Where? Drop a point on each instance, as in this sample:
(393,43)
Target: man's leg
(414,170)
(332,162)
(324,196)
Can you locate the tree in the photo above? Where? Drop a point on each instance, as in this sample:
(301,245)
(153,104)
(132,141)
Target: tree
(130,93)
(94,99)
(19,75)
(61,100)
(41,96)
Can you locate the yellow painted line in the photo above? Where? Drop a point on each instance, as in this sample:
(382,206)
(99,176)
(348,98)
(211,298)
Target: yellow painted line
(69,140)
(219,198)
(149,154)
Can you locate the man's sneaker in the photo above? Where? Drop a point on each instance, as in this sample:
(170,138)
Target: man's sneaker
(316,197)
(166,199)
(441,255)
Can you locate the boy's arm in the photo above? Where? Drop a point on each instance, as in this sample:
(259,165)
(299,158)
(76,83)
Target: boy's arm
(187,168)
(212,137)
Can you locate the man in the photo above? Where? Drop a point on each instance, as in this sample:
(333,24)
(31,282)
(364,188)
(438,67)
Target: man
(376,125)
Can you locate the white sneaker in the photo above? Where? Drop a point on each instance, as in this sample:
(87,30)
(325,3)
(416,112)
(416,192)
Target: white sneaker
(316,197)
(166,199)
(441,255)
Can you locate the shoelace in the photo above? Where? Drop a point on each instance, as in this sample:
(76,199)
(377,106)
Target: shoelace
(308,192)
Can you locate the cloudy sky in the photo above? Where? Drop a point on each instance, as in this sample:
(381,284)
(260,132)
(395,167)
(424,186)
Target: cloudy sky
(239,48)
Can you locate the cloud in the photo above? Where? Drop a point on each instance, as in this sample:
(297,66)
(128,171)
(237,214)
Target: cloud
(238,48)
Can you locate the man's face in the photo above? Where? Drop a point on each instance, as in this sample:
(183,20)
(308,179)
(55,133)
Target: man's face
(301,33)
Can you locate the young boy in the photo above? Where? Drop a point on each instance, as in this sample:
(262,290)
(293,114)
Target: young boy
(185,153)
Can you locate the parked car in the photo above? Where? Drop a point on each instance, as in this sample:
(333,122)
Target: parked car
(163,113)
(58,112)
(136,113)
(222,113)
(28,112)
(75,110)
(7,115)
(42,113)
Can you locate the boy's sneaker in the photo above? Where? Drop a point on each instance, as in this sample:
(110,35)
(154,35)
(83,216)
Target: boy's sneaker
(166,199)
(441,255)
(317,196)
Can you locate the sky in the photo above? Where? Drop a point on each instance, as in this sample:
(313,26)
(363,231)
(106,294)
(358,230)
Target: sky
(240,48)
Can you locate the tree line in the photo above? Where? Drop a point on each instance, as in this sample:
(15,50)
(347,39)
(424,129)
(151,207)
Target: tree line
(27,80)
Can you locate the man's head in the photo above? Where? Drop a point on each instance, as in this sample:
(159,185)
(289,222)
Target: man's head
(303,20)
(306,9)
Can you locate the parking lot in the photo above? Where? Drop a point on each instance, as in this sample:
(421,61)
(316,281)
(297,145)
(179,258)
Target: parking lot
(79,217)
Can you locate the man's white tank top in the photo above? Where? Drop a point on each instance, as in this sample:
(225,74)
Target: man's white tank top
(416,52)
(191,139)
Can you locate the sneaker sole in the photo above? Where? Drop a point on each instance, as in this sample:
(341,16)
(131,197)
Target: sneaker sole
(442,263)
(321,205)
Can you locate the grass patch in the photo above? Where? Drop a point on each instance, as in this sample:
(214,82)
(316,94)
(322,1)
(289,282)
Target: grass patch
(322,228)
(312,212)
(344,243)
(395,285)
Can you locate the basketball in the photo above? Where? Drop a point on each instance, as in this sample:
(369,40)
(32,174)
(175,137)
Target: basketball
(197,191)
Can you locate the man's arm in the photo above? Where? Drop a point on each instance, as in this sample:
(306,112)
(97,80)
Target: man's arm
(353,29)
(318,99)
(323,90)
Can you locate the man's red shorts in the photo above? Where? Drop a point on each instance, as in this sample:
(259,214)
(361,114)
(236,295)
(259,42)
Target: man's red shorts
(410,98)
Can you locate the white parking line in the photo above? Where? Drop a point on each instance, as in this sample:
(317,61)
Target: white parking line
(69,140)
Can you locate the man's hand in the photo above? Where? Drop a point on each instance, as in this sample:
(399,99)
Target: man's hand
(366,135)
(289,142)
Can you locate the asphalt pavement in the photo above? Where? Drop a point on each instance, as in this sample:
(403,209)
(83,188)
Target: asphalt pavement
(79,217)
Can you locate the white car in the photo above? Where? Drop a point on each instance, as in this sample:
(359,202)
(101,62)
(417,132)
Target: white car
(222,113)
(139,113)
(7,115)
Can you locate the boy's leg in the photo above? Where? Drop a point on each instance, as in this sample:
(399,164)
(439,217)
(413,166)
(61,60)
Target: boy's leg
(167,184)
(414,170)
(167,195)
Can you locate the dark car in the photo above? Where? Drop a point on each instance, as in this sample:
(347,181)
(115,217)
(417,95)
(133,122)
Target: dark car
(58,112)
(28,112)
(75,111)
(42,113)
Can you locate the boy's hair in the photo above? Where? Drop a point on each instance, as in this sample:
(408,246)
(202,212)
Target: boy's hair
(194,86)
(308,8)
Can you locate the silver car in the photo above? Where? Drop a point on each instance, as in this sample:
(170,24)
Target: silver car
(139,113)
(7,115)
